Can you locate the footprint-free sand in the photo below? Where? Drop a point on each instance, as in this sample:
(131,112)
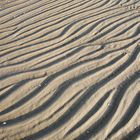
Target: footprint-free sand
(69,69)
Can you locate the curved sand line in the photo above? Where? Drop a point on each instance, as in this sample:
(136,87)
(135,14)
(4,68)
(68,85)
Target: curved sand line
(69,69)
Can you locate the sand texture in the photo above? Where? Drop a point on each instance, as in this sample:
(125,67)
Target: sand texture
(69,69)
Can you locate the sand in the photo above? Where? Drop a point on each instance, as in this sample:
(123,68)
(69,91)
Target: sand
(69,69)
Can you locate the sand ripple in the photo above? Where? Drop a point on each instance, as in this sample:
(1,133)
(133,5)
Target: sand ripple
(69,69)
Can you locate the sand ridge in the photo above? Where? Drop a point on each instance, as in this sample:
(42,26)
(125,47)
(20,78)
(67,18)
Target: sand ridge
(69,69)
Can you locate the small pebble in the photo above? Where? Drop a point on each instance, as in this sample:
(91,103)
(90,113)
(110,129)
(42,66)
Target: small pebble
(4,123)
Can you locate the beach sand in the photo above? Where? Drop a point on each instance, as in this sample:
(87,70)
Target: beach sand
(69,69)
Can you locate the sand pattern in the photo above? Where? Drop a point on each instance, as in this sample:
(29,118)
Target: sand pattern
(69,69)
